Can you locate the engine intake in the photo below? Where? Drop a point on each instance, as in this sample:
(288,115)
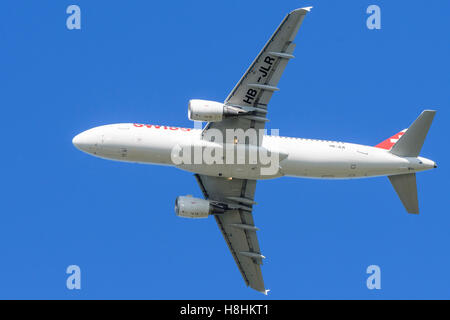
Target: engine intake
(204,110)
(190,207)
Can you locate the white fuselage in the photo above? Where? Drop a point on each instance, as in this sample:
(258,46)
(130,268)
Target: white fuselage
(297,157)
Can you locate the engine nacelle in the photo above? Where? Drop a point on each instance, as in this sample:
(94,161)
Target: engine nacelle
(190,207)
(211,111)
(203,110)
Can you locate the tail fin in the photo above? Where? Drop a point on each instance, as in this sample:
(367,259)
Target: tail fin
(411,142)
(406,188)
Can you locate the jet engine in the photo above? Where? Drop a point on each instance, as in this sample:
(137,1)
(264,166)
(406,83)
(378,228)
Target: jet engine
(190,207)
(203,110)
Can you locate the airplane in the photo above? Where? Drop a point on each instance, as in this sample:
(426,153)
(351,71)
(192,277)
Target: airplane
(232,137)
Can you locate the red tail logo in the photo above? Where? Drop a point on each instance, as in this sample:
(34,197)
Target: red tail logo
(389,143)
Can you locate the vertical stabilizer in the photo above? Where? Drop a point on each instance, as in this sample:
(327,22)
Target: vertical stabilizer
(410,143)
(406,188)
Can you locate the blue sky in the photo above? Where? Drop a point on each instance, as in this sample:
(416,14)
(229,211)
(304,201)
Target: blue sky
(141,61)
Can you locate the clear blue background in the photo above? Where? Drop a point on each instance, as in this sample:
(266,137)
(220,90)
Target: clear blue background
(141,61)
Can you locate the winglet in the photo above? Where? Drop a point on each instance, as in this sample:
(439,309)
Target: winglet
(265,291)
(307,9)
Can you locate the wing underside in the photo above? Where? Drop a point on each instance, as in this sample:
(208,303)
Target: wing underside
(256,87)
(252,94)
(237,226)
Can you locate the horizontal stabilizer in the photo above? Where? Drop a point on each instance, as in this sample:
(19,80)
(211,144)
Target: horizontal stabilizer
(410,143)
(406,188)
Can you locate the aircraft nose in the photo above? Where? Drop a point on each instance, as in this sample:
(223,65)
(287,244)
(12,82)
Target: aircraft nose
(85,141)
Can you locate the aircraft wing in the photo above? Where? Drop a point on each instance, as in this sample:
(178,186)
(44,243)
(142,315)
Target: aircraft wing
(251,94)
(237,226)
(259,82)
